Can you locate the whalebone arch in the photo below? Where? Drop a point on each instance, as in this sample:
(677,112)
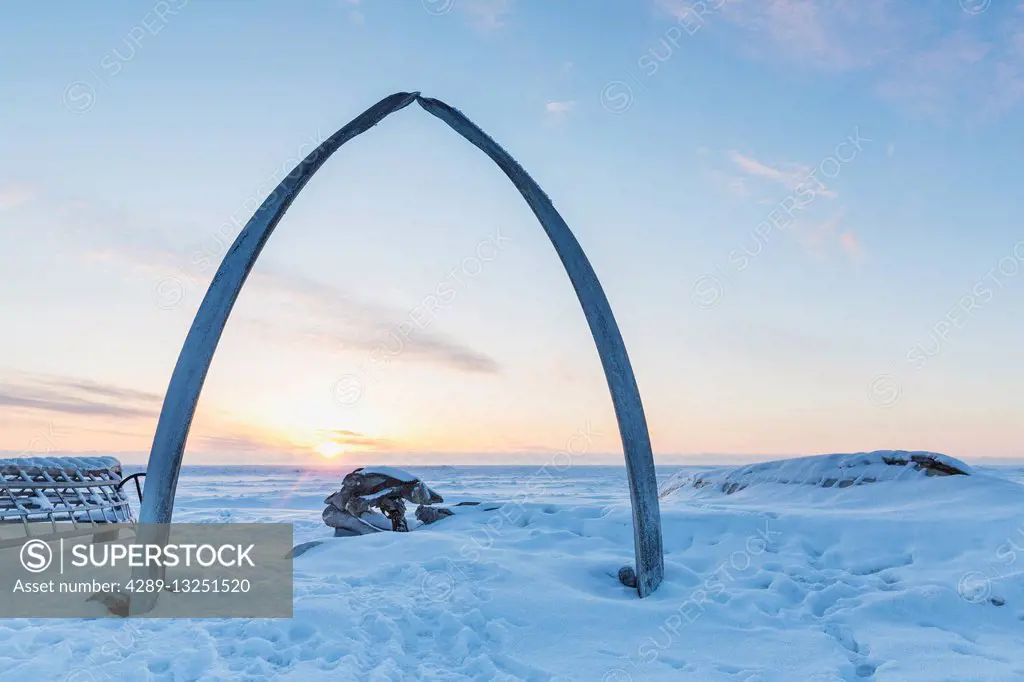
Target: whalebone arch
(201,343)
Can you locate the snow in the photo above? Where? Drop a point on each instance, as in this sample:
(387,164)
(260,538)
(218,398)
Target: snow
(908,579)
(376,519)
(399,474)
(34,465)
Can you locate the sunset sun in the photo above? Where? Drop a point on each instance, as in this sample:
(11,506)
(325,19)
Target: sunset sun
(330,449)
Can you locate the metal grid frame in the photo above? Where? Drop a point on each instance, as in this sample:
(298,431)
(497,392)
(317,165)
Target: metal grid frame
(81,494)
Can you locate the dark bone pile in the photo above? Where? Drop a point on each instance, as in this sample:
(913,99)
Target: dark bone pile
(372,500)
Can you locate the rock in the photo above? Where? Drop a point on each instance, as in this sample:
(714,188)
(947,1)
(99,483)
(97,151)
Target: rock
(627,576)
(300,549)
(932,464)
(429,515)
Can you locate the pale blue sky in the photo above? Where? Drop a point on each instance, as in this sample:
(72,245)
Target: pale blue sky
(133,132)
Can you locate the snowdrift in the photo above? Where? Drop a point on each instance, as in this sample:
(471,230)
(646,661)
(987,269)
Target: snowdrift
(823,471)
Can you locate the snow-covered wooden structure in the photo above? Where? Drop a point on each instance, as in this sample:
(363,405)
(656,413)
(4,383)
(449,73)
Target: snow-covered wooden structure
(51,497)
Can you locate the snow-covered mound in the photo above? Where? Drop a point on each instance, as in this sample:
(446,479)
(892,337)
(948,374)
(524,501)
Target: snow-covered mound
(823,471)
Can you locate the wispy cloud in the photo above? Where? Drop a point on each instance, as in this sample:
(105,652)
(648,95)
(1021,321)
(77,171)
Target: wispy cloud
(234,442)
(354,439)
(559,109)
(241,443)
(789,175)
(76,396)
(103,390)
(961,67)
(237,439)
(12,196)
(822,238)
(817,237)
(851,245)
(128,415)
(324,317)
(752,166)
(54,402)
(485,14)
(288,306)
(958,68)
(355,15)
(733,183)
(838,35)
(433,349)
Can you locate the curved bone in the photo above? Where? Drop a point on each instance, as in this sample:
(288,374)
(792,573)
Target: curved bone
(197,352)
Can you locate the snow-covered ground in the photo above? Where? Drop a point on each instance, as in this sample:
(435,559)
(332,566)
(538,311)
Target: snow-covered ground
(914,579)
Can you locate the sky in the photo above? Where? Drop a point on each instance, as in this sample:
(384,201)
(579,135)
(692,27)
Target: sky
(806,216)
